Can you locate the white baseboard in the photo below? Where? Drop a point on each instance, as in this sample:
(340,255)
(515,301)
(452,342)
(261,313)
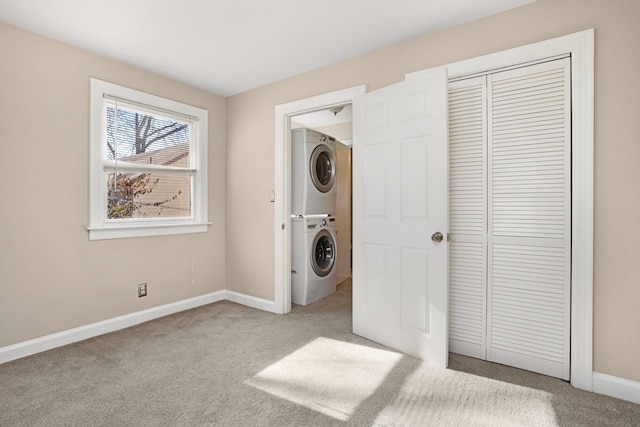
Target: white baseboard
(37,345)
(249,301)
(620,388)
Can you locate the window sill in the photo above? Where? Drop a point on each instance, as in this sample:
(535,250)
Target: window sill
(123,231)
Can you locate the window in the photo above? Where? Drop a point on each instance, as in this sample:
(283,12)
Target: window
(148,165)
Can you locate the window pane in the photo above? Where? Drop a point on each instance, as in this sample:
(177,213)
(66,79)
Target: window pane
(145,138)
(148,195)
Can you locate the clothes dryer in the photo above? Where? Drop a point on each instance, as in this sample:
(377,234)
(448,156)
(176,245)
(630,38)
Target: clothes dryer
(313,258)
(313,173)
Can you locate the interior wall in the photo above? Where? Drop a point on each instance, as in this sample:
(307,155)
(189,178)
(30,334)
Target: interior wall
(340,131)
(52,278)
(250,131)
(343,212)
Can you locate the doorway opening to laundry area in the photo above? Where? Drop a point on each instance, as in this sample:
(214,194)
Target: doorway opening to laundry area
(320,171)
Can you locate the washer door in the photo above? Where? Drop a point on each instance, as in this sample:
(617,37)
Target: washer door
(322,167)
(324,253)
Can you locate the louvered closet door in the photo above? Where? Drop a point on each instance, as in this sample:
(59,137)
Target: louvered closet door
(467,217)
(510,213)
(529,247)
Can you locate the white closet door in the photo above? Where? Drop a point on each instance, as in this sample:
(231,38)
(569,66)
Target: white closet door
(467,216)
(529,188)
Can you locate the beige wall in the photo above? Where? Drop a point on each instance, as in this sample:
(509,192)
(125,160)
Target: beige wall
(52,277)
(250,148)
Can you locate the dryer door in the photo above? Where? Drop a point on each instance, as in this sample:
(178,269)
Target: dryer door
(322,168)
(324,253)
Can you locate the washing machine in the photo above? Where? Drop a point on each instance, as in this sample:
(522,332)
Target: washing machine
(313,173)
(313,258)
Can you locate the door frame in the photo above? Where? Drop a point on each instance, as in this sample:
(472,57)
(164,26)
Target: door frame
(282,194)
(580,46)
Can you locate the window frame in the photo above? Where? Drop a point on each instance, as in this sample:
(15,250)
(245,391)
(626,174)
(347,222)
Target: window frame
(100,227)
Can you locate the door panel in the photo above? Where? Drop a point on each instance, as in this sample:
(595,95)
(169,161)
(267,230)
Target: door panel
(415,178)
(374,180)
(400,200)
(375,260)
(468,217)
(529,272)
(415,275)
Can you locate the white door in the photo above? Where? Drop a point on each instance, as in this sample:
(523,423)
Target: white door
(400,190)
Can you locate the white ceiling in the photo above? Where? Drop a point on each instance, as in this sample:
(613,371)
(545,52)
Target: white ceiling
(230,46)
(328,117)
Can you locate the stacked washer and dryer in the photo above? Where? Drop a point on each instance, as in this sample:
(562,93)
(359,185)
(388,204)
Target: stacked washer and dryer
(313,227)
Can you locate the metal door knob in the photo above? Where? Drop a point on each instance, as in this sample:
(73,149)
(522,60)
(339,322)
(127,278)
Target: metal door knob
(437,237)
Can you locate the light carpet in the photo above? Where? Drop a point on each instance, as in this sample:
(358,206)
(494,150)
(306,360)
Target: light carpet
(229,365)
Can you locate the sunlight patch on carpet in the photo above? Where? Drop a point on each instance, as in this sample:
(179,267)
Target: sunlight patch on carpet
(457,398)
(328,376)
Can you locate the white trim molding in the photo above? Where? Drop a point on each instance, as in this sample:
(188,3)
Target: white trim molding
(70,336)
(282,202)
(249,301)
(617,387)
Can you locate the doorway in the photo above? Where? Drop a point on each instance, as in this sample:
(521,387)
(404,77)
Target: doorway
(335,122)
(282,194)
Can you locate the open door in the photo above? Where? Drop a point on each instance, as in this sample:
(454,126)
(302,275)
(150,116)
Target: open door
(400,216)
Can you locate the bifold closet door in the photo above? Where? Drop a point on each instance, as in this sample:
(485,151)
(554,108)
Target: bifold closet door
(529,248)
(468,217)
(510,217)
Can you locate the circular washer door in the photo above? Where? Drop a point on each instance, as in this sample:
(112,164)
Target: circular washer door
(324,253)
(322,168)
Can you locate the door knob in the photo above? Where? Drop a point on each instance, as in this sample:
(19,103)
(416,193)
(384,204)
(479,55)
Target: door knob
(437,237)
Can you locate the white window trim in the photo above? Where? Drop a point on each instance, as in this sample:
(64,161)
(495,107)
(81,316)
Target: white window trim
(99,228)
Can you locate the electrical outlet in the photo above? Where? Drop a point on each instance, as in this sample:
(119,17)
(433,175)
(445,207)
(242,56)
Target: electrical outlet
(142,290)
